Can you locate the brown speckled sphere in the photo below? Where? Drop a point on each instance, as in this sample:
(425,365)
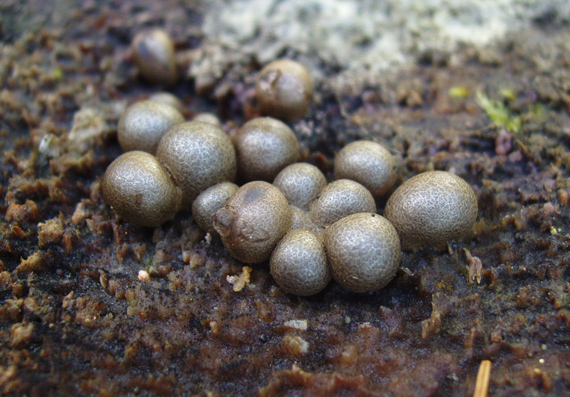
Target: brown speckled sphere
(144,123)
(140,189)
(264,147)
(208,118)
(155,57)
(300,183)
(197,155)
(363,251)
(431,209)
(253,221)
(368,163)
(339,199)
(168,98)
(299,263)
(284,89)
(209,202)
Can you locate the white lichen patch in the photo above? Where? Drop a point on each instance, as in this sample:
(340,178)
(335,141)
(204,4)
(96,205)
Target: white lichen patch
(355,34)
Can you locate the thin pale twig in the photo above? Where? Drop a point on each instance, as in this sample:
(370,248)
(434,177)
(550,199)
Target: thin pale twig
(483,377)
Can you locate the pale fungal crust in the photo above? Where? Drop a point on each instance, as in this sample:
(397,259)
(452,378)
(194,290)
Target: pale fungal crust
(368,163)
(209,202)
(140,189)
(300,183)
(168,98)
(299,264)
(253,221)
(144,123)
(284,90)
(155,57)
(363,251)
(264,147)
(197,155)
(339,199)
(431,209)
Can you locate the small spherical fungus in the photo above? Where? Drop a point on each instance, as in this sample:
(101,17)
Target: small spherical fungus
(363,251)
(253,221)
(339,199)
(264,147)
(299,264)
(284,90)
(431,209)
(168,98)
(208,118)
(140,189)
(300,183)
(197,155)
(209,202)
(143,125)
(155,57)
(368,163)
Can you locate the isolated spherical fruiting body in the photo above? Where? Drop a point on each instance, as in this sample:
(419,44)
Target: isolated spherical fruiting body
(284,89)
(209,202)
(299,264)
(168,98)
(140,189)
(264,147)
(144,123)
(431,209)
(300,183)
(197,155)
(363,250)
(368,163)
(253,221)
(339,199)
(155,57)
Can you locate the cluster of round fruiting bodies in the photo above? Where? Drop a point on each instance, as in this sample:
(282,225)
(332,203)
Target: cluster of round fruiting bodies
(285,212)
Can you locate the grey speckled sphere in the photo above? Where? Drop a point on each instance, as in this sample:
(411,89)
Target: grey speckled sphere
(144,123)
(197,155)
(155,57)
(431,209)
(209,202)
(140,189)
(264,147)
(300,183)
(363,251)
(284,89)
(168,98)
(339,199)
(253,221)
(299,263)
(368,163)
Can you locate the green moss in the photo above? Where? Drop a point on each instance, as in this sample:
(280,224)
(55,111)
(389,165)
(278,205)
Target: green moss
(458,91)
(498,113)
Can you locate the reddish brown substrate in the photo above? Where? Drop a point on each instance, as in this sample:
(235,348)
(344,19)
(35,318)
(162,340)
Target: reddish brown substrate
(75,319)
